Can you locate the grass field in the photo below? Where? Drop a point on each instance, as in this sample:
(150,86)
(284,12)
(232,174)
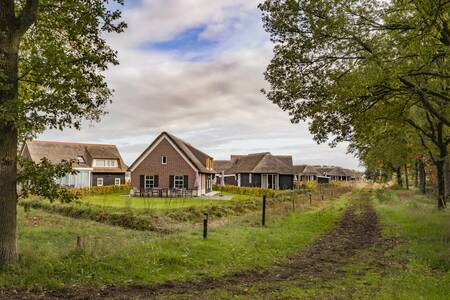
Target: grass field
(123,201)
(112,255)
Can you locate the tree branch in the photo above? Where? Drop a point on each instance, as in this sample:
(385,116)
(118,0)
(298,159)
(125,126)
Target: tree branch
(427,104)
(28,16)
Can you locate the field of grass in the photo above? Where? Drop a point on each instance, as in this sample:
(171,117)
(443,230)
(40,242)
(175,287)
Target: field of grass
(123,201)
(112,255)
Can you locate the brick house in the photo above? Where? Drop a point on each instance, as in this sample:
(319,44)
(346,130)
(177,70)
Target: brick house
(96,164)
(171,163)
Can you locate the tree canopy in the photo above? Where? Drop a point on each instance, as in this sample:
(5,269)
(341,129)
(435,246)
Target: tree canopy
(354,67)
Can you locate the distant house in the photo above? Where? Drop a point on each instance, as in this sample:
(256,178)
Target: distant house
(220,166)
(259,170)
(305,173)
(97,164)
(171,163)
(336,173)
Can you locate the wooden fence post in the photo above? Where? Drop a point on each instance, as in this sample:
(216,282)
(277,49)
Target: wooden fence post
(264,211)
(205,225)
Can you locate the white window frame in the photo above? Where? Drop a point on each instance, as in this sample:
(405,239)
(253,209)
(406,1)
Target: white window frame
(149,181)
(106,163)
(177,180)
(117,179)
(164,160)
(100,181)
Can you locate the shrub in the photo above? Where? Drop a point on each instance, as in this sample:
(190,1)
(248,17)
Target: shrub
(252,191)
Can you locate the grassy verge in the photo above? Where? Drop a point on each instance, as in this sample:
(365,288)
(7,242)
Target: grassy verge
(415,266)
(424,249)
(112,255)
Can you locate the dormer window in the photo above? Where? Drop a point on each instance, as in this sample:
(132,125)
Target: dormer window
(105,163)
(164,160)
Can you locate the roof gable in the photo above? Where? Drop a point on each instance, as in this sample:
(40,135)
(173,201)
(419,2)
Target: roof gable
(195,158)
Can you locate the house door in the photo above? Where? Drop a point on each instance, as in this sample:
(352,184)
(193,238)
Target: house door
(270,184)
(208,183)
(270,181)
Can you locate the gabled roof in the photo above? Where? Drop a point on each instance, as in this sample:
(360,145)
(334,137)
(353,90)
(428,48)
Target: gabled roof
(298,169)
(306,170)
(194,156)
(262,163)
(222,165)
(56,152)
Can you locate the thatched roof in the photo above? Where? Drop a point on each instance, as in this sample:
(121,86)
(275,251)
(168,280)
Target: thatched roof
(262,163)
(80,154)
(298,169)
(222,165)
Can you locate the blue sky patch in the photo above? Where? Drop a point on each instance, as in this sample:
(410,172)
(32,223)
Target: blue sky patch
(186,41)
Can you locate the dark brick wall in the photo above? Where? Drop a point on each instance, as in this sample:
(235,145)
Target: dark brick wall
(108,178)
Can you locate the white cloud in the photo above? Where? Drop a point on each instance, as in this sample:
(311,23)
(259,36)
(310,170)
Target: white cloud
(215,103)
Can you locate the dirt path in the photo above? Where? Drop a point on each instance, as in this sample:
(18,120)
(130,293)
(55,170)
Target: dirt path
(325,260)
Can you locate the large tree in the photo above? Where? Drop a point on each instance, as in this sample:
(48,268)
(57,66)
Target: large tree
(52,54)
(335,61)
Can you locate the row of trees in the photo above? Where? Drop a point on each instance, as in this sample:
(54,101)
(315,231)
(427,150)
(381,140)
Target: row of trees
(374,73)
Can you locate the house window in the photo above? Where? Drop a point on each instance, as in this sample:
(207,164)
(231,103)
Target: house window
(81,160)
(99,181)
(116,181)
(164,160)
(149,182)
(178,182)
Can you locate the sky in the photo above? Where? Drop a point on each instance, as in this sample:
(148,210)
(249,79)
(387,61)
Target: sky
(195,68)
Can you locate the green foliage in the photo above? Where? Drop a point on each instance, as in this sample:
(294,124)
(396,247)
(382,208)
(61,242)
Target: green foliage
(253,191)
(39,179)
(102,190)
(62,60)
(356,71)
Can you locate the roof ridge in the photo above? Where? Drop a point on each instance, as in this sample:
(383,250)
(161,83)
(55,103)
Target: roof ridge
(73,143)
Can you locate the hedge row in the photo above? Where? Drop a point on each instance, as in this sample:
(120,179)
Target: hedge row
(252,191)
(100,190)
(130,220)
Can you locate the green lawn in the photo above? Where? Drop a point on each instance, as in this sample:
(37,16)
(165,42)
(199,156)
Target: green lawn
(112,255)
(123,201)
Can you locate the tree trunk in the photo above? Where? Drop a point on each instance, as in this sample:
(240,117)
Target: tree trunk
(447,178)
(398,171)
(440,166)
(9,45)
(422,176)
(8,193)
(406,177)
(416,174)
